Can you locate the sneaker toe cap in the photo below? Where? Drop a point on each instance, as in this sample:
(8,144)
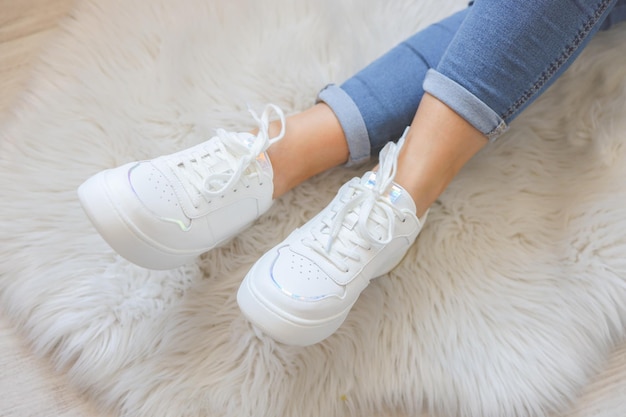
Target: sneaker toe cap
(294,286)
(153,190)
(300,278)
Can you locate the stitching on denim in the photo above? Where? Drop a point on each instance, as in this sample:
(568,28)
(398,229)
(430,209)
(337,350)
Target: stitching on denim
(560,60)
(497,132)
(416,52)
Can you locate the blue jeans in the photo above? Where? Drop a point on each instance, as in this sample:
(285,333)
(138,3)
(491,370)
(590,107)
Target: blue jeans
(487,63)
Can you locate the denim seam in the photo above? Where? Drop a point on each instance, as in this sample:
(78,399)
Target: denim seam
(499,130)
(560,60)
(417,53)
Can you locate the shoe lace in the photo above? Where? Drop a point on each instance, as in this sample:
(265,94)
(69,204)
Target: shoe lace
(194,167)
(367,208)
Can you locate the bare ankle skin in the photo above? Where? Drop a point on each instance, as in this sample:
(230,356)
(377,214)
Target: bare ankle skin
(313,143)
(438,144)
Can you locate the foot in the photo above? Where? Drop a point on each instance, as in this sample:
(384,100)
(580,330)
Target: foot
(163,213)
(301,291)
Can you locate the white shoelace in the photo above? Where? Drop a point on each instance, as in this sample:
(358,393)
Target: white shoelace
(194,166)
(369,206)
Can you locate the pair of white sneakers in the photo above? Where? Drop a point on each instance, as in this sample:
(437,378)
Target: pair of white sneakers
(164,212)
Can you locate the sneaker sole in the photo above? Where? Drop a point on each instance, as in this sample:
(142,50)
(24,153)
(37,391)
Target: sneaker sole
(282,326)
(120,233)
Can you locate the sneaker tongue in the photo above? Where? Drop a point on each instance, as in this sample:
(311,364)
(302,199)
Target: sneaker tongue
(219,166)
(395,194)
(248,140)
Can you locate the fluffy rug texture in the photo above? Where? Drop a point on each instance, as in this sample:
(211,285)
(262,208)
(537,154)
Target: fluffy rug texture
(512,299)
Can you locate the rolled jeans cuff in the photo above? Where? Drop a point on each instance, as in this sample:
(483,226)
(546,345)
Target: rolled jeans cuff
(350,120)
(465,104)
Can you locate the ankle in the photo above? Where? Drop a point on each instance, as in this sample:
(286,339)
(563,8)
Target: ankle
(314,142)
(424,186)
(423,193)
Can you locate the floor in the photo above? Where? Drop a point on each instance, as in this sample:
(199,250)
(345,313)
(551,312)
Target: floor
(25,26)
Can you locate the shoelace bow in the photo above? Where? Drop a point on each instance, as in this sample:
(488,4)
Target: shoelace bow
(230,149)
(371,205)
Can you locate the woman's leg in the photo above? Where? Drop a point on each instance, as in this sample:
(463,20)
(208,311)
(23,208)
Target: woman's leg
(371,104)
(316,133)
(503,55)
(372,107)
(487,86)
(437,146)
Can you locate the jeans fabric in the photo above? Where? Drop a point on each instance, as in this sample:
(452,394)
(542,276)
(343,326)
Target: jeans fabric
(487,62)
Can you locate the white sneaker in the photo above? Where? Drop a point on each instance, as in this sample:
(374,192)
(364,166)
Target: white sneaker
(162,213)
(301,291)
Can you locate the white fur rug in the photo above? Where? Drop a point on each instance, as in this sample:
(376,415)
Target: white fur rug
(510,302)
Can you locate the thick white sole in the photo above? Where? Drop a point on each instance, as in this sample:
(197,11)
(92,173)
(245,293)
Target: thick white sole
(280,325)
(121,234)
